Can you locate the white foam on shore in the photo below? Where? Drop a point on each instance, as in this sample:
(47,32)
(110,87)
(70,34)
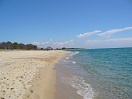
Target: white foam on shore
(67,58)
(74,53)
(71,55)
(83,89)
(74,62)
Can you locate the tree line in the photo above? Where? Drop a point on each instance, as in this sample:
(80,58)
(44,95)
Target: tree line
(15,45)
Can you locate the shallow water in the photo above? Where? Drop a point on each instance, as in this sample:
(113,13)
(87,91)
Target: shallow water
(97,74)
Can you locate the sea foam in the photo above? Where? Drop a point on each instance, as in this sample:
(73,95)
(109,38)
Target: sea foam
(74,53)
(74,62)
(67,58)
(82,88)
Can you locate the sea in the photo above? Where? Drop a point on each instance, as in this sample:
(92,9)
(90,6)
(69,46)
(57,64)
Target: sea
(95,74)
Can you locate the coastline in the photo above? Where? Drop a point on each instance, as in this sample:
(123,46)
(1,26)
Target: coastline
(28,74)
(64,89)
(71,80)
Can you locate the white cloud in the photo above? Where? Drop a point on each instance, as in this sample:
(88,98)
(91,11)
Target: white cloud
(35,43)
(97,43)
(109,43)
(45,43)
(69,43)
(110,32)
(88,34)
(119,39)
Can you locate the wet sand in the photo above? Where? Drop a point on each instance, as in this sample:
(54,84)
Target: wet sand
(64,90)
(28,74)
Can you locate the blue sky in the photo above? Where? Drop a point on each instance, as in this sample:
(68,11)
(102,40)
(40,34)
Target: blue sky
(69,23)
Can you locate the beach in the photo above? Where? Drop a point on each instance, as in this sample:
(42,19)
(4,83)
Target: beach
(28,74)
(57,74)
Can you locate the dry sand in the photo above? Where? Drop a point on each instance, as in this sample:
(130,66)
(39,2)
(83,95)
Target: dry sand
(28,74)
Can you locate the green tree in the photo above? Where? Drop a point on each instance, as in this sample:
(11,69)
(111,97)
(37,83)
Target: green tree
(15,45)
(63,48)
(9,45)
(21,46)
(3,45)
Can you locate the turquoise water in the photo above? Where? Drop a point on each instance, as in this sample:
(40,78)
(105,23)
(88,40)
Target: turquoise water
(100,73)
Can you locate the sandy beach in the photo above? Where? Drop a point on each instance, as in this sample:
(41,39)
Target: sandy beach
(28,74)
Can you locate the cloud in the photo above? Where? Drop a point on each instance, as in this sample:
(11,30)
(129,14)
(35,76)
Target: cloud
(40,43)
(35,43)
(96,43)
(119,39)
(69,43)
(109,43)
(110,32)
(88,34)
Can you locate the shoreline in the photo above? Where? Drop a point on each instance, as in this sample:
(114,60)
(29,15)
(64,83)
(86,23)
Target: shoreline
(64,89)
(71,80)
(29,74)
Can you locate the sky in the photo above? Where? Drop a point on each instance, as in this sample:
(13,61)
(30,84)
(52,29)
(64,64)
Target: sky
(67,23)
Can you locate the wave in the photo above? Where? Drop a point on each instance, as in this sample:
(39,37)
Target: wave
(67,57)
(74,53)
(74,62)
(71,55)
(83,89)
